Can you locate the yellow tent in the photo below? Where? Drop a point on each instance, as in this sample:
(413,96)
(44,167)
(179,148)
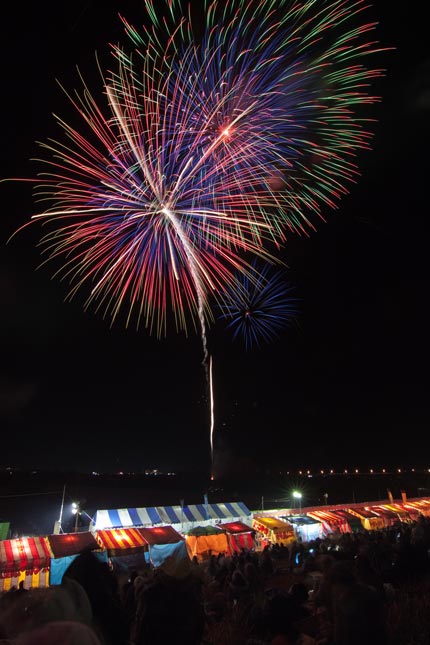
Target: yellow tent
(275,530)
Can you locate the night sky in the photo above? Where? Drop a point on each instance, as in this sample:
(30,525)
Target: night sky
(346,385)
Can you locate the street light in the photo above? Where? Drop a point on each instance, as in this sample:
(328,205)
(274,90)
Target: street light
(298,496)
(76,511)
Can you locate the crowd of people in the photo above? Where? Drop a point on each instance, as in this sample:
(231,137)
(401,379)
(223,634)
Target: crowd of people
(331,591)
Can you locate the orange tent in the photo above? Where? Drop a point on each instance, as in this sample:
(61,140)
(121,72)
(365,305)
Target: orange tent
(205,541)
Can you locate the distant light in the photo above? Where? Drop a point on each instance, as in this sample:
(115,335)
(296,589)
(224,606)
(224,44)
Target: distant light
(356,470)
(296,494)
(371,470)
(345,471)
(399,470)
(300,472)
(331,472)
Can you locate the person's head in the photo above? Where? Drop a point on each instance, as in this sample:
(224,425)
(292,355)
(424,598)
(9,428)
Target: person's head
(299,593)
(64,632)
(359,617)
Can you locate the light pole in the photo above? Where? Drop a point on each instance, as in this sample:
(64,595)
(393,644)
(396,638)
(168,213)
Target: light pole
(298,495)
(76,512)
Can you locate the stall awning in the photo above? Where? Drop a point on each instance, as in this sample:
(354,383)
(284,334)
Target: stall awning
(420,507)
(235,527)
(150,516)
(65,544)
(331,521)
(353,521)
(400,511)
(272,523)
(121,541)
(389,517)
(24,554)
(160,535)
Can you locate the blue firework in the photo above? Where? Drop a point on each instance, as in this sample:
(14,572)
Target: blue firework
(259,306)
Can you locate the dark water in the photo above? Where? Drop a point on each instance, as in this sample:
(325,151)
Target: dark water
(31,502)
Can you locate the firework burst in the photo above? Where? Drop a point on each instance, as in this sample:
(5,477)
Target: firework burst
(208,150)
(259,307)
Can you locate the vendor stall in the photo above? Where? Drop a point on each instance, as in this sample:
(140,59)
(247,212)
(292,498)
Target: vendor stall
(331,522)
(368,519)
(65,547)
(389,517)
(24,559)
(239,535)
(163,543)
(273,530)
(306,528)
(205,541)
(126,548)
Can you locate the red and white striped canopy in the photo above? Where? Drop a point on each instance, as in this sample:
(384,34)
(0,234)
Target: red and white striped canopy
(24,554)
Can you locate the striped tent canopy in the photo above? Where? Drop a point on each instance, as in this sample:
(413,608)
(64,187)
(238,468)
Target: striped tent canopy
(422,507)
(331,521)
(160,535)
(368,519)
(176,515)
(400,511)
(65,544)
(23,554)
(239,535)
(390,517)
(121,541)
(354,522)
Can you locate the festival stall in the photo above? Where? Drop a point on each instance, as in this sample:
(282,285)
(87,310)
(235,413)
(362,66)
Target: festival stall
(239,535)
(126,548)
(354,522)
(402,512)
(369,520)
(24,559)
(389,517)
(306,528)
(205,541)
(331,522)
(65,547)
(164,543)
(421,507)
(272,530)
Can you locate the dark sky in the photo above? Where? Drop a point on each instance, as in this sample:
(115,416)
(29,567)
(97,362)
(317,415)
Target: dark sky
(347,385)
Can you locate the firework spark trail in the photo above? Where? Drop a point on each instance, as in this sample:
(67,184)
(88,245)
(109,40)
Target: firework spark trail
(212,422)
(199,290)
